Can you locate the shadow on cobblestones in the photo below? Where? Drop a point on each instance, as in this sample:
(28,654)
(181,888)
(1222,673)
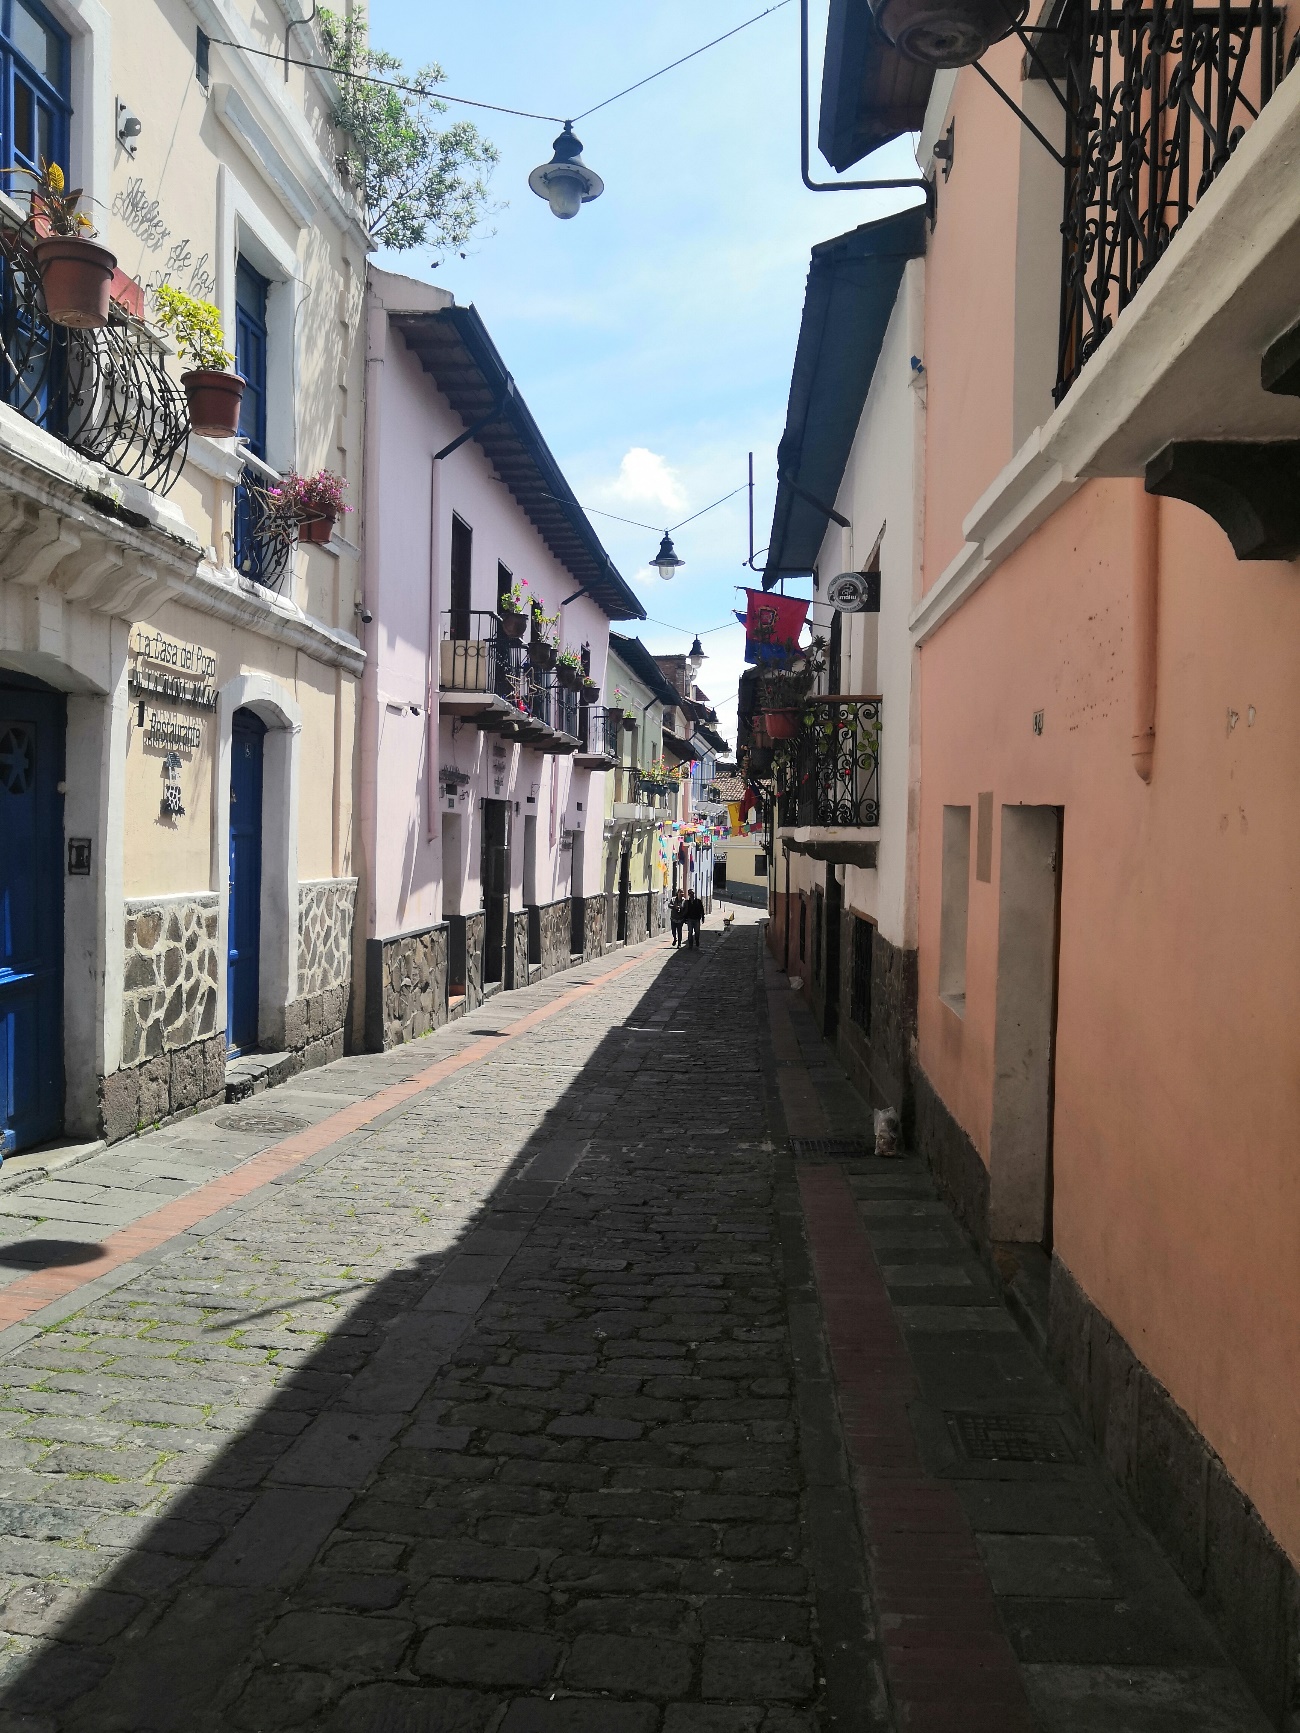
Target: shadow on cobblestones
(485,1424)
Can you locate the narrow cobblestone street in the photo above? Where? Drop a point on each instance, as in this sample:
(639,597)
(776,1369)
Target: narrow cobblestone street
(531,1385)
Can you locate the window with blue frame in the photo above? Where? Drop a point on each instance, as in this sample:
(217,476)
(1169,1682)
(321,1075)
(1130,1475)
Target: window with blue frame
(250,361)
(35,56)
(35,59)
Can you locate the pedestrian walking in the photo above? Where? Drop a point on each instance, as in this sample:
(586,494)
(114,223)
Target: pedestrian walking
(675,918)
(693,916)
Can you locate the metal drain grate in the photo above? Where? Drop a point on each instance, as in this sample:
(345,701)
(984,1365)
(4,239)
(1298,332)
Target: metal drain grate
(832,1148)
(1010,1438)
(263,1123)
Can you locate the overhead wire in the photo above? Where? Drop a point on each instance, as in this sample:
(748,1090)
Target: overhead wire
(423,90)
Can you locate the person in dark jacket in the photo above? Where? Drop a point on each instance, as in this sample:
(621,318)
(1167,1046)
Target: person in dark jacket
(693,915)
(675,918)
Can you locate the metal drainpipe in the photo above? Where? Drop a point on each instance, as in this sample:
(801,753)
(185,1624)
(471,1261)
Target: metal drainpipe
(1146,622)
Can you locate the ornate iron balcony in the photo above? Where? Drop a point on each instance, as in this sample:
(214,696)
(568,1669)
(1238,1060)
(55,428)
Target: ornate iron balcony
(105,393)
(478,657)
(1156,98)
(265,536)
(829,774)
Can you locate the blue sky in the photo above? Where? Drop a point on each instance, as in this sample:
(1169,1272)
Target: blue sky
(652,336)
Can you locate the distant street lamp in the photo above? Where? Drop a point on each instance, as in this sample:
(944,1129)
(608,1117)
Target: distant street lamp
(666,561)
(695,658)
(566,183)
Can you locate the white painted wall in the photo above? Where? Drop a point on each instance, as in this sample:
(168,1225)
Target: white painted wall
(881,495)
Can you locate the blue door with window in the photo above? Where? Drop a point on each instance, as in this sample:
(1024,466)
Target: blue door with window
(244,935)
(32,722)
(250,361)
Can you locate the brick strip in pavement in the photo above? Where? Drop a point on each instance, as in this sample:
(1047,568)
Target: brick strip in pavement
(947,1659)
(31,1294)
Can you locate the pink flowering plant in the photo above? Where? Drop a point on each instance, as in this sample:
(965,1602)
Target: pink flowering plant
(516,599)
(305,497)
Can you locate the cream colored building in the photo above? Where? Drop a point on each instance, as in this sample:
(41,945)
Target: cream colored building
(177,690)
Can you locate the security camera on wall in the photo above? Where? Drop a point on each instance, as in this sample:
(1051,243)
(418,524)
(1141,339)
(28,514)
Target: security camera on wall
(855,592)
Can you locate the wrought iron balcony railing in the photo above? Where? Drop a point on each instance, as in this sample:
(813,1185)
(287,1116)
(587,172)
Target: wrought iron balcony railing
(105,393)
(265,536)
(599,738)
(476,656)
(1156,97)
(829,774)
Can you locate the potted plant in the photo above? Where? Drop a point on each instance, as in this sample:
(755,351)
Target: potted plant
(76,274)
(314,502)
(568,671)
(212,391)
(629,721)
(514,609)
(542,651)
(589,691)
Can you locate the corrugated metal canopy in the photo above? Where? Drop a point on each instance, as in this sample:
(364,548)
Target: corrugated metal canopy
(455,350)
(852,286)
(870,92)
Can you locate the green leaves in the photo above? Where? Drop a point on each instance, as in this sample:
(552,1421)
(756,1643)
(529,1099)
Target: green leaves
(421,186)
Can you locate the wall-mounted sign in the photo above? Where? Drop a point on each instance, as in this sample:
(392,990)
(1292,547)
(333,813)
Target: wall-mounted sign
(170,668)
(173,732)
(79,857)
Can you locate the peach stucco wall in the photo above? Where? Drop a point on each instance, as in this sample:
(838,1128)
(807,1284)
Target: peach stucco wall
(969,298)
(1177,1115)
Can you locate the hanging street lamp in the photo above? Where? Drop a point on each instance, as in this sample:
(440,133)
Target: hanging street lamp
(666,561)
(695,659)
(566,183)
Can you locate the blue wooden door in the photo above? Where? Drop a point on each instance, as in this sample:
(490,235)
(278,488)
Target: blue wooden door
(31,916)
(245,923)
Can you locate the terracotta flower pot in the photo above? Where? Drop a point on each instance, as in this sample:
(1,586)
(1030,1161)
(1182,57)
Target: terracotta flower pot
(782,724)
(569,676)
(589,692)
(513,625)
(77,278)
(317,530)
(542,655)
(214,399)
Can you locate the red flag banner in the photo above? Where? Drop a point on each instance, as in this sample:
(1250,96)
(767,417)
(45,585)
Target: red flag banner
(774,622)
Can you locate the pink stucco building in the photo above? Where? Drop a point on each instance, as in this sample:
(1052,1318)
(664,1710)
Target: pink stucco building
(482,775)
(1053,413)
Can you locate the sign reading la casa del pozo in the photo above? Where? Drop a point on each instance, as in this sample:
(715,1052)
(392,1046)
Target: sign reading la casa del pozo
(170,668)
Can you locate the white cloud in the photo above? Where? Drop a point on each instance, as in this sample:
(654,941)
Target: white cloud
(645,478)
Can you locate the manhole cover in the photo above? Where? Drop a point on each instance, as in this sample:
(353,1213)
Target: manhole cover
(833,1148)
(1010,1437)
(266,1123)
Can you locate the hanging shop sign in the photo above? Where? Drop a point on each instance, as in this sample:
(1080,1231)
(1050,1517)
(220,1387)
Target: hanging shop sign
(170,668)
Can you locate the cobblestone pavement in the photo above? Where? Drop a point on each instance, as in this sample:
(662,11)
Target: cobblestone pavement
(536,1405)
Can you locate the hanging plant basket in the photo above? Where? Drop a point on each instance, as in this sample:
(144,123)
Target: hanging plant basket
(214,399)
(781,724)
(588,692)
(77,279)
(317,530)
(569,677)
(629,723)
(542,654)
(513,625)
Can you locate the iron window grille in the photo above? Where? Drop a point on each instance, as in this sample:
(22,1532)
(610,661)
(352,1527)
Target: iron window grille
(860,1000)
(1157,96)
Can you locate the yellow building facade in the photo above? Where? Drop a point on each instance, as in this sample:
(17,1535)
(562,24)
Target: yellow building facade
(178,669)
